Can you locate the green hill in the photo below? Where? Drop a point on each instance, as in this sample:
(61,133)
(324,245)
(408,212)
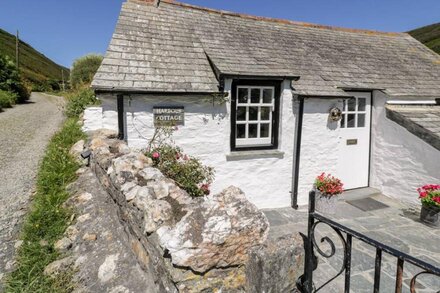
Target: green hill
(428,35)
(38,71)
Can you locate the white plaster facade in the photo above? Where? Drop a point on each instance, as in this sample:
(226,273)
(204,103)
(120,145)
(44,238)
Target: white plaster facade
(395,169)
(400,161)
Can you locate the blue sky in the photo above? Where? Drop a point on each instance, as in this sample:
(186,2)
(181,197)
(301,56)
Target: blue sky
(64,30)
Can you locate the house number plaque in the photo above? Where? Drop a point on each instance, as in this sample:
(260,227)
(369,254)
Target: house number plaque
(169,116)
(352,141)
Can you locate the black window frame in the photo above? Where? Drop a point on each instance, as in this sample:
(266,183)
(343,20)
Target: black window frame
(275,117)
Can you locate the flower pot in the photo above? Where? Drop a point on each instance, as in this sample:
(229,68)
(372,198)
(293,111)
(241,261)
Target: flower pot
(325,204)
(430,215)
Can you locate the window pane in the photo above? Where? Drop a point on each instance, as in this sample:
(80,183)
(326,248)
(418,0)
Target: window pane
(361,104)
(361,120)
(351,104)
(253,113)
(253,130)
(343,121)
(264,130)
(267,96)
(255,96)
(241,113)
(351,120)
(242,95)
(265,113)
(241,130)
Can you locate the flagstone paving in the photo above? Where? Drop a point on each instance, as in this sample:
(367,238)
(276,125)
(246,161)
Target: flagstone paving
(396,226)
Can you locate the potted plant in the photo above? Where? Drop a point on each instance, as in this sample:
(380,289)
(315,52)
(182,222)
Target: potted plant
(430,197)
(327,189)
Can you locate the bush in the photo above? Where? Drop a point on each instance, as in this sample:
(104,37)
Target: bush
(79,100)
(188,172)
(7,99)
(10,80)
(84,69)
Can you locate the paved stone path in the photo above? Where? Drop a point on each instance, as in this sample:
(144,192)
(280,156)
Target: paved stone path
(24,133)
(397,226)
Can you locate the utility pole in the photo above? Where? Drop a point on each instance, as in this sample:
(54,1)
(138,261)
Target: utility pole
(17,50)
(62,75)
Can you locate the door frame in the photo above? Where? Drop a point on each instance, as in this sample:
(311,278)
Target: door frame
(369,134)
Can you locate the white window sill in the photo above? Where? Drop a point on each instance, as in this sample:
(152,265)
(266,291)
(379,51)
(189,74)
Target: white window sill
(257,154)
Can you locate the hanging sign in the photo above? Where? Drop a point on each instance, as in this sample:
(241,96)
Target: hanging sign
(169,116)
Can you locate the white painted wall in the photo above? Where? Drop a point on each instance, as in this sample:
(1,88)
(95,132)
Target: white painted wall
(266,181)
(401,161)
(319,144)
(92,119)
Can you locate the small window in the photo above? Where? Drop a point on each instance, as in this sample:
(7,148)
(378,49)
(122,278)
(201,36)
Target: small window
(353,113)
(254,116)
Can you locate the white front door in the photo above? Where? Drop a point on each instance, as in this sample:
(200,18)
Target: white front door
(354,158)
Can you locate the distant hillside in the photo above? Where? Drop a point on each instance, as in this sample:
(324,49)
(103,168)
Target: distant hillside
(428,35)
(38,70)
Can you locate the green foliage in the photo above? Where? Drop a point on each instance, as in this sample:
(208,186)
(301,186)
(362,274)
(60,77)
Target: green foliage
(188,172)
(10,79)
(36,69)
(84,69)
(7,99)
(428,35)
(47,219)
(78,100)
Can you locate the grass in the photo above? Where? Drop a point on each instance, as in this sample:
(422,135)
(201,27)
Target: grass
(35,68)
(47,219)
(428,35)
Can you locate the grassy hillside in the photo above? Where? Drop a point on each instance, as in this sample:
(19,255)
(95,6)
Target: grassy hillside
(36,69)
(428,35)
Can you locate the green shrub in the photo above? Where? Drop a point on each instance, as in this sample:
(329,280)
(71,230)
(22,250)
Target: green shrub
(188,172)
(78,100)
(10,79)
(84,69)
(48,218)
(7,99)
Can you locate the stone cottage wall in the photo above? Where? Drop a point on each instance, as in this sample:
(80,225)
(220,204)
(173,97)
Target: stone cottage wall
(266,180)
(319,144)
(401,162)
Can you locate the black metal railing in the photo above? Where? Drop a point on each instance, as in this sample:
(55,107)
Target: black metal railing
(305,282)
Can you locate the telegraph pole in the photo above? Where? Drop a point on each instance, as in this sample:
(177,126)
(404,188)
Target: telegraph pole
(17,50)
(62,75)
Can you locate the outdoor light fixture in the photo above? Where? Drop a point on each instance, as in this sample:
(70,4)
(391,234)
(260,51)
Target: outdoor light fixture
(335,114)
(86,155)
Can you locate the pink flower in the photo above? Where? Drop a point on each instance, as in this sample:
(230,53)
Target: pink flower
(205,188)
(156,155)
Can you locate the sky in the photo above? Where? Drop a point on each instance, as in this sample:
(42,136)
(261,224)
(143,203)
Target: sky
(65,30)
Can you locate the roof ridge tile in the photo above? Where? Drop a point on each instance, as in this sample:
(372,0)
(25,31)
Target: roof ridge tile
(267,19)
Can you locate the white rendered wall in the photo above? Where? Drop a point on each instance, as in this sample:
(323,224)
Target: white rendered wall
(319,144)
(266,181)
(92,119)
(401,162)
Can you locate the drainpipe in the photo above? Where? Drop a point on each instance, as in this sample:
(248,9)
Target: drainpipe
(297,153)
(120,107)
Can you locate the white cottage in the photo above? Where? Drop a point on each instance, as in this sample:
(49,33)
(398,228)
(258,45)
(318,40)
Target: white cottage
(273,103)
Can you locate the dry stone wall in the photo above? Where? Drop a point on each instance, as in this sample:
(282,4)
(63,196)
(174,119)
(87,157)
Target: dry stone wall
(217,242)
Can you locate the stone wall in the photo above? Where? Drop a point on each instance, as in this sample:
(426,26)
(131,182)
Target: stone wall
(217,242)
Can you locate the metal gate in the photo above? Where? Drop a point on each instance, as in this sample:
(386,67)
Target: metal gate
(305,282)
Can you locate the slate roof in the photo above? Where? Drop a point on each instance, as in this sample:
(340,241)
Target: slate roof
(421,120)
(175,47)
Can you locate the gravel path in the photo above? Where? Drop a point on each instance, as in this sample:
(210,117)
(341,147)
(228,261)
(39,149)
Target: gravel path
(24,133)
